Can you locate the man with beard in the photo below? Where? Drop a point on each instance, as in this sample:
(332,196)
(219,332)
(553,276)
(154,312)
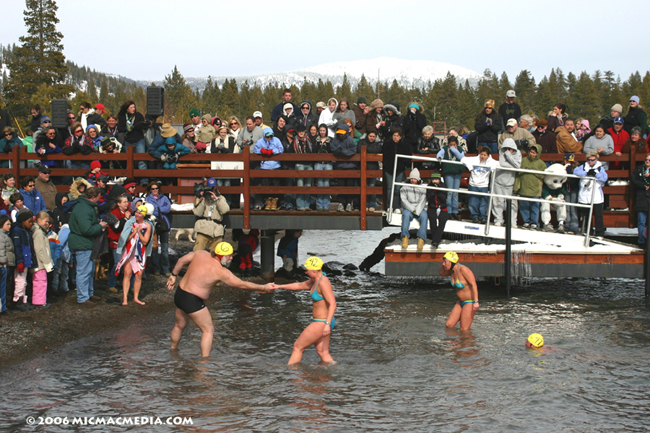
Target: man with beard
(205,270)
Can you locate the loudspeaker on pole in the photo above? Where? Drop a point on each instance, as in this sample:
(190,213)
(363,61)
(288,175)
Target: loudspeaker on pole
(155,101)
(59,113)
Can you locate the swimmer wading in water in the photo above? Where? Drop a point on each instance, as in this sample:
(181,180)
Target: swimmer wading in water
(205,270)
(318,332)
(463,280)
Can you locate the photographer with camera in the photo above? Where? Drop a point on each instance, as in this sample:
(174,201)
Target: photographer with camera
(249,135)
(209,207)
(161,210)
(590,169)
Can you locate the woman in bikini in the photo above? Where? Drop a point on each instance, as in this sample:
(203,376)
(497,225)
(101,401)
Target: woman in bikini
(134,256)
(463,280)
(318,332)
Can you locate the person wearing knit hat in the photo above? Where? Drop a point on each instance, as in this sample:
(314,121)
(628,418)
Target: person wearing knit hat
(94,173)
(437,209)
(414,202)
(361,111)
(320,106)
(636,116)
(607,121)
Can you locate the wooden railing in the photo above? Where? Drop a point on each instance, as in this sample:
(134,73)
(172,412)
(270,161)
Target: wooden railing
(618,196)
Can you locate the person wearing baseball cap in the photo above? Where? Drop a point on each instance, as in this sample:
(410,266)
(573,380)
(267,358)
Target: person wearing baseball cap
(259,120)
(619,137)
(510,109)
(94,116)
(636,116)
(204,271)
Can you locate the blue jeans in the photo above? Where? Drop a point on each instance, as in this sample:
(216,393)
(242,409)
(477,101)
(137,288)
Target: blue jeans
(60,277)
(494,147)
(3,289)
(112,278)
(160,262)
(529,211)
(572,221)
(323,200)
(371,199)
(304,200)
(85,275)
(478,204)
(138,147)
(452,181)
(642,218)
(391,187)
(407,217)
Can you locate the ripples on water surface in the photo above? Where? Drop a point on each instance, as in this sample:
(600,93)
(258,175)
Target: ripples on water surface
(398,368)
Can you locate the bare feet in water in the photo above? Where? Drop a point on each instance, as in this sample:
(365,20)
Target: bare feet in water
(137,301)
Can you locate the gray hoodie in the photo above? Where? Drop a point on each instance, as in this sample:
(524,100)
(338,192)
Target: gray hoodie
(508,160)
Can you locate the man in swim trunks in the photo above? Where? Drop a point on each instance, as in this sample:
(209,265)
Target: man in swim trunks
(463,280)
(205,270)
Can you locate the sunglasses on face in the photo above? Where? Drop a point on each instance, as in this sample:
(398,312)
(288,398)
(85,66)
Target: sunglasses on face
(71,118)
(591,159)
(154,189)
(234,123)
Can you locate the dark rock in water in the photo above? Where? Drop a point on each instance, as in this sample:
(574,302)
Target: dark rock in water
(350,267)
(335,265)
(331,271)
(349,274)
(282,273)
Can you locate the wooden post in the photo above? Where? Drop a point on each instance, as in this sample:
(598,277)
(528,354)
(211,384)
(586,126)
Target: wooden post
(247,187)
(15,160)
(364,183)
(508,257)
(130,163)
(267,256)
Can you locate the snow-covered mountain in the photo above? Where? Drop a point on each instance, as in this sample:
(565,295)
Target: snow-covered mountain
(408,73)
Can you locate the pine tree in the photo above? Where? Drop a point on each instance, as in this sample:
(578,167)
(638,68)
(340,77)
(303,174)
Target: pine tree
(39,60)
(229,99)
(525,90)
(365,89)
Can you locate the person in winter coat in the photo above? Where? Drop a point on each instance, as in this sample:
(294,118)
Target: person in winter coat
(393,120)
(94,173)
(161,209)
(25,256)
(641,181)
(288,249)
(48,143)
(249,135)
(571,186)
(488,125)
(344,145)
(545,138)
(85,226)
(522,138)
(44,263)
(414,202)
(323,145)
(393,146)
(510,109)
(327,117)
(171,151)
(565,142)
(480,168)
(31,197)
(530,185)
(122,212)
(373,146)
(361,111)
(461,143)
(636,116)
(637,142)
(45,186)
(607,121)
(8,141)
(36,117)
(205,134)
(305,117)
(7,262)
(280,128)
(600,142)
(437,209)
(210,210)
(93,133)
(278,110)
(247,242)
(556,118)
(302,144)
(343,112)
(504,181)
(267,146)
(590,170)
(225,143)
(131,126)
(376,118)
(427,145)
(452,172)
(414,123)
(619,137)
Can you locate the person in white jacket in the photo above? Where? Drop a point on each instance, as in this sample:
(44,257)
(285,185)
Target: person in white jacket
(327,117)
(414,201)
(480,168)
(590,169)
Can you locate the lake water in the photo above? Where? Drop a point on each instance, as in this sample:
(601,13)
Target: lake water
(398,368)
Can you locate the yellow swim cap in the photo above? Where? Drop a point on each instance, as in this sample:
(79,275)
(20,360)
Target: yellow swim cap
(536,340)
(314,264)
(451,256)
(223,249)
(142,209)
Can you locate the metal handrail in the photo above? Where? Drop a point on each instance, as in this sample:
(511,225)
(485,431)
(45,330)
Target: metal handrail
(491,194)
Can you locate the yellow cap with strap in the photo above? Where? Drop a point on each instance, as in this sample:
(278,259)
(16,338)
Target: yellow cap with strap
(223,249)
(314,264)
(451,256)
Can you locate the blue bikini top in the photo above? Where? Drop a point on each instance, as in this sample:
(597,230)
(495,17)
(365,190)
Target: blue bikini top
(456,284)
(314,294)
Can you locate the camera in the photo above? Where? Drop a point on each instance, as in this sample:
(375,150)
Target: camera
(207,185)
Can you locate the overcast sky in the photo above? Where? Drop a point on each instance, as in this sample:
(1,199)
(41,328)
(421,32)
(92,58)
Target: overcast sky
(144,39)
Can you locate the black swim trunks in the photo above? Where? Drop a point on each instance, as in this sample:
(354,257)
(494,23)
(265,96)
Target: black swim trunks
(188,302)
